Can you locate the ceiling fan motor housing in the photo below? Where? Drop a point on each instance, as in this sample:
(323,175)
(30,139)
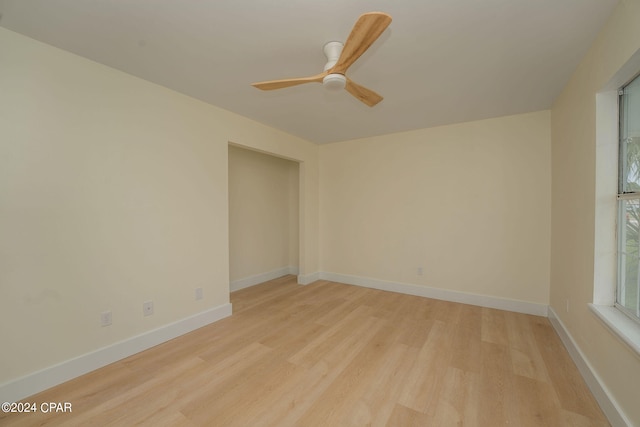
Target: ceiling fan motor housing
(334,81)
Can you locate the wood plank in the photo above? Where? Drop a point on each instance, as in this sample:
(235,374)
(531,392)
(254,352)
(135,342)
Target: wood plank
(342,402)
(498,404)
(457,403)
(407,417)
(425,380)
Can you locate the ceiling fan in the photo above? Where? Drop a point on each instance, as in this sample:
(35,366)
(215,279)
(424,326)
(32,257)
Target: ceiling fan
(340,57)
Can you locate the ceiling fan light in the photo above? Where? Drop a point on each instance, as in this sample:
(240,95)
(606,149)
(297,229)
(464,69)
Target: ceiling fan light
(334,81)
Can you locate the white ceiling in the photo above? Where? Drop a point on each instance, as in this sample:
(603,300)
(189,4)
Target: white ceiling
(439,62)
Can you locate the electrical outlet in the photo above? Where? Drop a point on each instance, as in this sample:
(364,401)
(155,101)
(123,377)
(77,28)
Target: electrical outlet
(147,308)
(198,293)
(419,271)
(105,318)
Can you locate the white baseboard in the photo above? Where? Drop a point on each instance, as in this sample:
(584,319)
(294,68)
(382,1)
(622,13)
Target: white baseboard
(236,285)
(306,279)
(441,294)
(36,382)
(607,403)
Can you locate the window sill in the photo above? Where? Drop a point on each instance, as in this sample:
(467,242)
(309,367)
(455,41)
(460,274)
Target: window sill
(626,329)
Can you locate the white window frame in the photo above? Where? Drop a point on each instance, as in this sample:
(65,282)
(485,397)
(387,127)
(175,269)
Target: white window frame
(606,214)
(621,220)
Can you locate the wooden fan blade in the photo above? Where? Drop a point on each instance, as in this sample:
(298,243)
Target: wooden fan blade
(279,84)
(365,95)
(366,30)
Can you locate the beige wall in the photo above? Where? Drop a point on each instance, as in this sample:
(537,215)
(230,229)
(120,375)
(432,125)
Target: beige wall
(113,191)
(573,215)
(263,213)
(468,203)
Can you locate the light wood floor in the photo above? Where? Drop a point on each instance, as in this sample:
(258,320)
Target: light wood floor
(329,354)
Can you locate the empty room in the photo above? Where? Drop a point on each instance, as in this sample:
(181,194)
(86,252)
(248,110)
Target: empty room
(337,213)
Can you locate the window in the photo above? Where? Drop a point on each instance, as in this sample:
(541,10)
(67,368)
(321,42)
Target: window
(628,288)
(612,299)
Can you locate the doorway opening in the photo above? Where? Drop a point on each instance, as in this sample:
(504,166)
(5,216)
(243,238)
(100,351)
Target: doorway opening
(263,217)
